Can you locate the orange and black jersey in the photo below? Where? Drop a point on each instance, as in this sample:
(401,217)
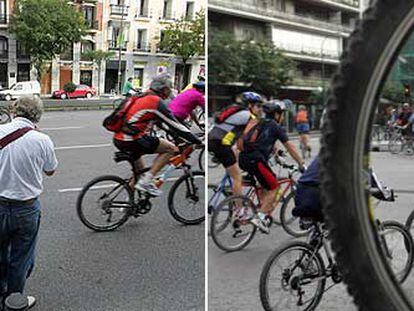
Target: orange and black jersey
(146,109)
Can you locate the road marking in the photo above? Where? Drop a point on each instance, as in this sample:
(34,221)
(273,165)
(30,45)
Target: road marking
(82,147)
(104,186)
(62,128)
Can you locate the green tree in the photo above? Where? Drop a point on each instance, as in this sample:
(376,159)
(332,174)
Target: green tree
(394,92)
(265,68)
(46,28)
(185,39)
(98,57)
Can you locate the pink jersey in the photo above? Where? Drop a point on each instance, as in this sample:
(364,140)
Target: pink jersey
(182,106)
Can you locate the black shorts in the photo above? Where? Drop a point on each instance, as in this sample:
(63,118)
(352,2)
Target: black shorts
(259,169)
(143,145)
(224,154)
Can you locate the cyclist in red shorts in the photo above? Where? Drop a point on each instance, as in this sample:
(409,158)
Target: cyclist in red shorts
(255,156)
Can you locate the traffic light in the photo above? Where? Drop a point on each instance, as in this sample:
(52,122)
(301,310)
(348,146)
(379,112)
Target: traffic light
(407,90)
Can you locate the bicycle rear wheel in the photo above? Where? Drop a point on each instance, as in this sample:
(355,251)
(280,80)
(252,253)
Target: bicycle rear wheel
(104,203)
(230,228)
(373,48)
(186,199)
(397,245)
(293,278)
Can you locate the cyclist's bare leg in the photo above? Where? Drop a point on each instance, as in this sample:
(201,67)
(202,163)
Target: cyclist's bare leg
(236,177)
(165,150)
(138,165)
(268,199)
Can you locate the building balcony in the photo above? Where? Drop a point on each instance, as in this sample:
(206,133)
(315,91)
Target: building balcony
(92,24)
(119,10)
(350,5)
(4,54)
(163,50)
(310,82)
(142,47)
(113,45)
(307,51)
(272,15)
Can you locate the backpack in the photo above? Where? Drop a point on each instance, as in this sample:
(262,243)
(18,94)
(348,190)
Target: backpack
(224,114)
(116,121)
(249,141)
(302,117)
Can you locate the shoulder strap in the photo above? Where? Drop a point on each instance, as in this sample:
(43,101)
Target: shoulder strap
(13,136)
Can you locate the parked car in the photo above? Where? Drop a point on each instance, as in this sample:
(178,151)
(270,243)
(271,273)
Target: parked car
(82,90)
(19,89)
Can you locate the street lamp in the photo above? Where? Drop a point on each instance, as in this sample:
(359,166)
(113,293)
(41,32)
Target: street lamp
(120,48)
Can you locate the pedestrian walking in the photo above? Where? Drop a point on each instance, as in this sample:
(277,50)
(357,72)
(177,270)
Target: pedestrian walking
(25,155)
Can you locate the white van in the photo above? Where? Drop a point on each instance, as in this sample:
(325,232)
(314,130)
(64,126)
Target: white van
(27,88)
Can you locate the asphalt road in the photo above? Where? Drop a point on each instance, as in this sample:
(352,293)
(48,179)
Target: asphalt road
(234,277)
(150,263)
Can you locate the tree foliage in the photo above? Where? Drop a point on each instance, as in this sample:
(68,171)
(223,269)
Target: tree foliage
(185,38)
(224,58)
(264,68)
(394,92)
(259,65)
(46,28)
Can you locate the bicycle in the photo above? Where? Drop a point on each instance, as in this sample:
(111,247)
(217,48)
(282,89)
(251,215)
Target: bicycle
(357,88)
(400,142)
(5,116)
(301,281)
(120,200)
(236,211)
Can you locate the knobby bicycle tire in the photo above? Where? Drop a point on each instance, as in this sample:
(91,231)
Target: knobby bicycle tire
(171,206)
(264,276)
(87,187)
(373,46)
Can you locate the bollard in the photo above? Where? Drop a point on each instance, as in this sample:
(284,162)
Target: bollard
(16,302)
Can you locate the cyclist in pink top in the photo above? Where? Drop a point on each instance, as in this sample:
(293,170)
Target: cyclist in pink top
(183,105)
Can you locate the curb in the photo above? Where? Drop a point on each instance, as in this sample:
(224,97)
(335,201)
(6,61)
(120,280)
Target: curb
(75,108)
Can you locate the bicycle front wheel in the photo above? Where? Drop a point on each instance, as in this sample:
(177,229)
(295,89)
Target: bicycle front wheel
(104,203)
(186,199)
(396,145)
(289,222)
(293,278)
(397,245)
(230,228)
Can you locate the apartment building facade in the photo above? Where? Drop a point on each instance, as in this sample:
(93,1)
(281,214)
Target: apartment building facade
(311,32)
(136,25)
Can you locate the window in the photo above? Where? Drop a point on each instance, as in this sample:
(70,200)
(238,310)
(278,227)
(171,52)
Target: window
(3,11)
(139,76)
(142,43)
(18,87)
(4,47)
(166,13)
(189,11)
(68,54)
(85,47)
(143,8)
(89,15)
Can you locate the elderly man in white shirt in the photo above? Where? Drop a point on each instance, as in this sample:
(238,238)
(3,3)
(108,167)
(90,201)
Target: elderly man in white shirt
(25,155)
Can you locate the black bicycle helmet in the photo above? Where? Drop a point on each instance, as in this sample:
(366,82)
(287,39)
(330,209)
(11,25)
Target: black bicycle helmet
(274,106)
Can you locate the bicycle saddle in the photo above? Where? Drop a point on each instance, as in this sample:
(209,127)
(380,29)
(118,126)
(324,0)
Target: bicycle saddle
(123,156)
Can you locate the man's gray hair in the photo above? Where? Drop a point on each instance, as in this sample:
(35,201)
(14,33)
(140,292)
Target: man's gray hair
(161,81)
(30,108)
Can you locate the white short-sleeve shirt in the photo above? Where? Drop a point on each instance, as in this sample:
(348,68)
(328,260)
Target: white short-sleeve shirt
(23,162)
